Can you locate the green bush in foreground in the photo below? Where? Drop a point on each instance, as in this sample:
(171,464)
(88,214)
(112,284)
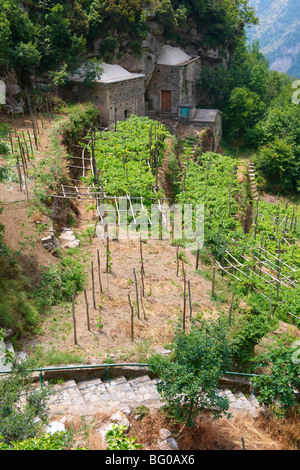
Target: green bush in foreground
(20,405)
(57,441)
(190,382)
(280,385)
(116,440)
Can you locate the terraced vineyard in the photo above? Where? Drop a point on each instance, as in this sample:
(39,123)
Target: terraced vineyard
(128,159)
(264,263)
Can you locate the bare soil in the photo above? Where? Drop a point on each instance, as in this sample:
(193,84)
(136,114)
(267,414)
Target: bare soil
(160,308)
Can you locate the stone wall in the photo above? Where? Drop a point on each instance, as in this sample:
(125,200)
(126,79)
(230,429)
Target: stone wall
(117,100)
(164,78)
(125,98)
(190,73)
(180,80)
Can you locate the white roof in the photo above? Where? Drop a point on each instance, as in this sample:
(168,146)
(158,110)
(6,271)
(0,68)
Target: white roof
(205,115)
(172,56)
(110,73)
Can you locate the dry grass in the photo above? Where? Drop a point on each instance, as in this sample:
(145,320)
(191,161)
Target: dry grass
(265,433)
(227,434)
(285,431)
(223,434)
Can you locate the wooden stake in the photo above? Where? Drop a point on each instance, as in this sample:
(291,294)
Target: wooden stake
(143,287)
(233,173)
(190,299)
(11,142)
(277,287)
(137,294)
(142,261)
(30,141)
(270,312)
(28,158)
(142,303)
(197,259)
(107,254)
(19,173)
(73,313)
(131,317)
(99,271)
(93,285)
(230,310)
(87,310)
(184,298)
(213,282)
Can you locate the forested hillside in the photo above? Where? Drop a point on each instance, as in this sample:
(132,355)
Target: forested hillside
(278,33)
(38,36)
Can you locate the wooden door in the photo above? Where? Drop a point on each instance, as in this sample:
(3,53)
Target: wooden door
(166,101)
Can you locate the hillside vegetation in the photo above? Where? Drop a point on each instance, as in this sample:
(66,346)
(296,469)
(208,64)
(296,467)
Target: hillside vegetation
(54,36)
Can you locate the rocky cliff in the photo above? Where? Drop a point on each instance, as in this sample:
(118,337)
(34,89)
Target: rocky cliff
(144,62)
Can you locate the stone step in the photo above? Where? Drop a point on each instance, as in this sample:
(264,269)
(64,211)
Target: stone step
(121,393)
(92,390)
(66,394)
(239,402)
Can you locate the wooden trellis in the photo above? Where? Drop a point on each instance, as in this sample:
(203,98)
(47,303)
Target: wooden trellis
(266,267)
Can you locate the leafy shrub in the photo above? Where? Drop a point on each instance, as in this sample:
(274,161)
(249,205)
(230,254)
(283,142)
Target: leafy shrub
(189,383)
(17,306)
(282,383)
(57,282)
(246,333)
(17,420)
(116,440)
(56,441)
(277,162)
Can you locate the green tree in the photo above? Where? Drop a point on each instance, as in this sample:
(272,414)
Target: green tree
(79,22)
(277,162)
(189,382)
(26,58)
(282,382)
(244,111)
(20,405)
(166,15)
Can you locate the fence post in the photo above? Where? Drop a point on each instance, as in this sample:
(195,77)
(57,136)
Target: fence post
(73,313)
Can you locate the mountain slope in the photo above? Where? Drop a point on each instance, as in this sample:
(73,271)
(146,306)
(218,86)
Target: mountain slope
(278,33)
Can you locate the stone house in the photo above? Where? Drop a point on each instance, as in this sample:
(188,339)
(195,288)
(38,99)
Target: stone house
(208,118)
(119,93)
(173,83)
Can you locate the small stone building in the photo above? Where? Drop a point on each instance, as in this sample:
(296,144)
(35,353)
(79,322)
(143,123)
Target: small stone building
(173,82)
(208,118)
(118,92)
